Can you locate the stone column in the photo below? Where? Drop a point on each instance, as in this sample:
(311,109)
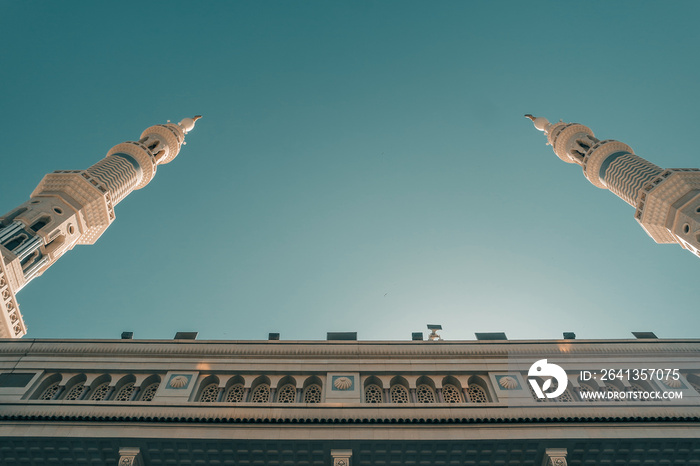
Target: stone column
(341,457)
(438,395)
(554,457)
(130,456)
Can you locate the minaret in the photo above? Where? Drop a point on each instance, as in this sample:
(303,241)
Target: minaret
(72,207)
(667,201)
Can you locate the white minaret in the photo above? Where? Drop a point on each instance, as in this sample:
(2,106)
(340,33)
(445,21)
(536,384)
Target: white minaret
(72,207)
(667,200)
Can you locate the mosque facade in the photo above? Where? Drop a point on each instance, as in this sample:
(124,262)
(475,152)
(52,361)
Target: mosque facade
(345,402)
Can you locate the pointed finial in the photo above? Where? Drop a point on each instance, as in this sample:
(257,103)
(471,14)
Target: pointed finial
(187,124)
(540,123)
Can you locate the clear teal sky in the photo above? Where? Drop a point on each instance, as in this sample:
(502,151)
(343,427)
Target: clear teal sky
(361,166)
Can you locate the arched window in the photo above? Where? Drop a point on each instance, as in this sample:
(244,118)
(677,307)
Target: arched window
(235,393)
(534,395)
(610,388)
(425,394)
(312,394)
(149,392)
(399,394)
(125,393)
(477,394)
(50,391)
(287,394)
(210,393)
(100,392)
(450,394)
(636,388)
(261,394)
(75,392)
(586,392)
(373,394)
(566,397)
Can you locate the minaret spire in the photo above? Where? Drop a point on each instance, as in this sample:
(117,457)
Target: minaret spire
(667,201)
(71,207)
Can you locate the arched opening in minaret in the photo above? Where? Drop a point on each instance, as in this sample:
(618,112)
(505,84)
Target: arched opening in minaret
(30,259)
(41,223)
(16,241)
(577,154)
(583,145)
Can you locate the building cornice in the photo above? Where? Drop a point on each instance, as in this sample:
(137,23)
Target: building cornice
(364,349)
(325,414)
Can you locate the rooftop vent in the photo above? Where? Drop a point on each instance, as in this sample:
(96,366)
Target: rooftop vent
(569,336)
(417,336)
(273,336)
(645,335)
(186,336)
(491,336)
(333,336)
(127,335)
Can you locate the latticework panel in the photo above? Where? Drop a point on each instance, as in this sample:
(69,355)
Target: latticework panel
(451,394)
(125,393)
(373,394)
(149,392)
(425,394)
(399,394)
(210,394)
(566,397)
(287,394)
(587,390)
(612,389)
(235,393)
(534,395)
(636,388)
(312,394)
(100,392)
(50,392)
(261,394)
(75,392)
(477,394)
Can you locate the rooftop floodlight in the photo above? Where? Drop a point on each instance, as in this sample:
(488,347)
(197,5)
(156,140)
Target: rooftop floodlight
(433,332)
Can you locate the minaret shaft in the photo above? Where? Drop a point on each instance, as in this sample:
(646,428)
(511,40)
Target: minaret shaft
(667,202)
(624,174)
(71,207)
